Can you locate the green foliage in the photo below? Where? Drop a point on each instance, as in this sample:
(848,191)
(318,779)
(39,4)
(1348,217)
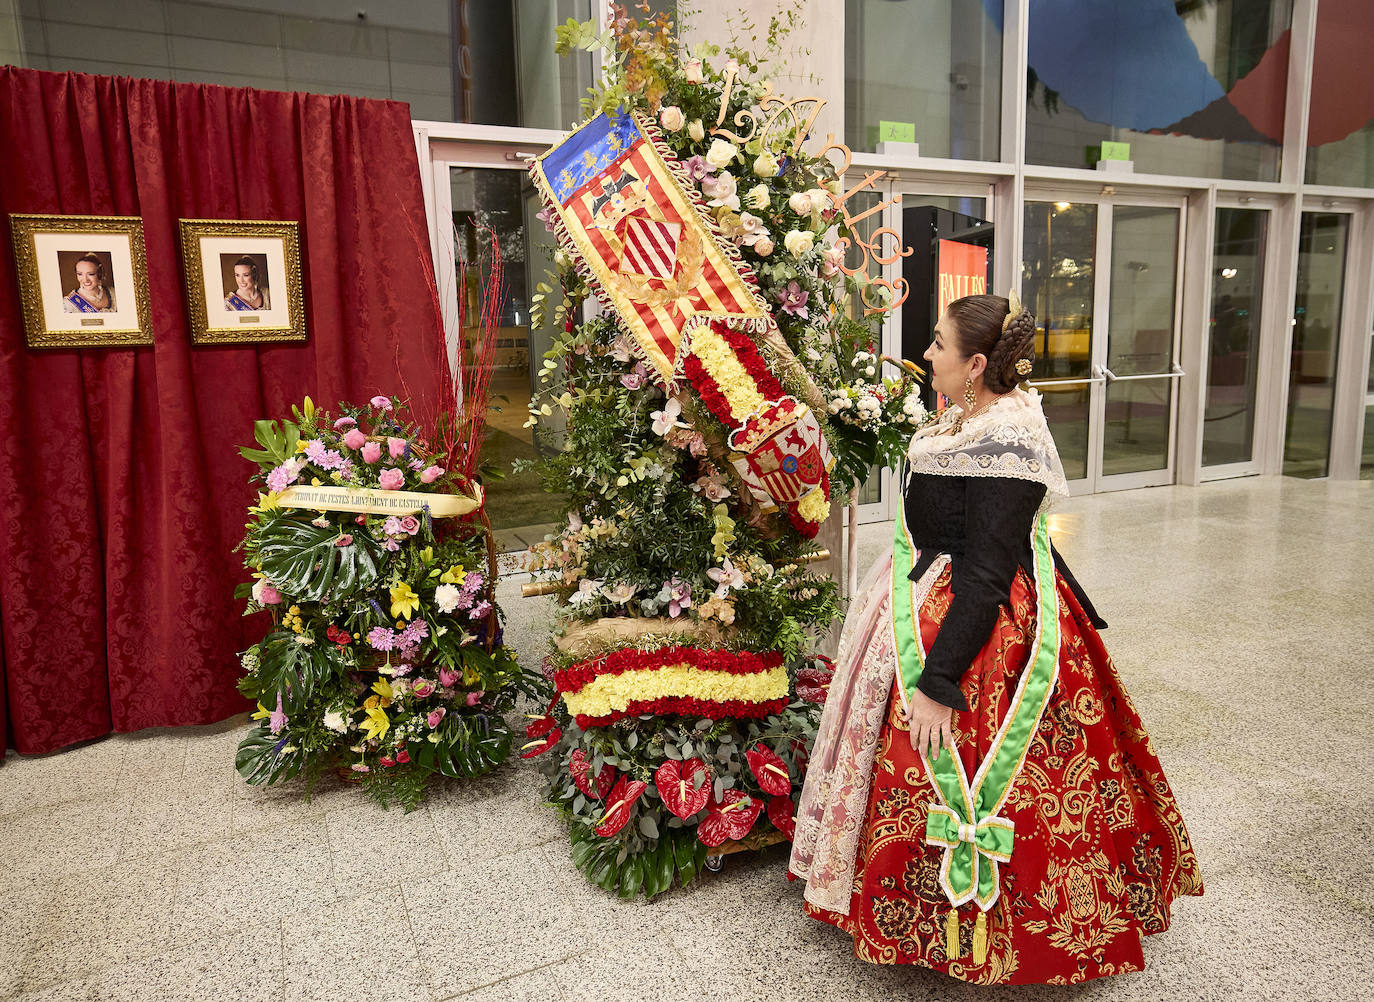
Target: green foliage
(278,441)
(264,758)
(306,559)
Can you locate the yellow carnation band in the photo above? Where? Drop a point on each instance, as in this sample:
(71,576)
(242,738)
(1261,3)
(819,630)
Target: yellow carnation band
(608,694)
(723,365)
(814,507)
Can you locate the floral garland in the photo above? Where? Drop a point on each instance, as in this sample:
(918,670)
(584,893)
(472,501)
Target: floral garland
(613,693)
(574,677)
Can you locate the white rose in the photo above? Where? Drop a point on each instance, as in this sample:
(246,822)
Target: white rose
(798,242)
(696,130)
(446,597)
(820,199)
(763,247)
(671,118)
(721,153)
(749,223)
(691,71)
(831,260)
(800,203)
(757,198)
(766,165)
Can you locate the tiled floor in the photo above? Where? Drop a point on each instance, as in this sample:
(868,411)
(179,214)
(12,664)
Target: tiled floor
(140,868)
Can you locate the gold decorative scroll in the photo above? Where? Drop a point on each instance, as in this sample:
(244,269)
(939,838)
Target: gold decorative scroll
(369,501)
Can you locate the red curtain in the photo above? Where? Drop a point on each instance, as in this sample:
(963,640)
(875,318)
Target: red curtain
(121,489)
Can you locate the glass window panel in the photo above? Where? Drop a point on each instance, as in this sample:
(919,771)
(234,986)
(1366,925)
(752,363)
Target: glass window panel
(1066,410)
(505,201)
(934,68)
(1135,432)
(1233,336)
(1312,367)
(1060,243)
(450,60)
(1144,274)
(1340,128)
(1195,88)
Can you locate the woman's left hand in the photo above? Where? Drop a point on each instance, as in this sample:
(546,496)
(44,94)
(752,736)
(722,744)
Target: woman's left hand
(932,725)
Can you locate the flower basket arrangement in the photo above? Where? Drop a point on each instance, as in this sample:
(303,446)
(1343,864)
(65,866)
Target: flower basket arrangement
(376,565)
(706,434)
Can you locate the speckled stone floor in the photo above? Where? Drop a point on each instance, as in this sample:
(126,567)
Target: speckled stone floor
(140,868)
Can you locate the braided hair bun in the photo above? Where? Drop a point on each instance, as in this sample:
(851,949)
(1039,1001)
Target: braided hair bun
(984,328)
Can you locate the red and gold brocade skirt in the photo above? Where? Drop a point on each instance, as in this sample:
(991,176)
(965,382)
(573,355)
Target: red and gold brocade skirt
(1101,849)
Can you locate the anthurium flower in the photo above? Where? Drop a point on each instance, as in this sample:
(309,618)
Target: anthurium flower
(731,817)
(770,771)
(404,602)
(580,767)
(781,812)
(684,786)
(622,800)
(543,732)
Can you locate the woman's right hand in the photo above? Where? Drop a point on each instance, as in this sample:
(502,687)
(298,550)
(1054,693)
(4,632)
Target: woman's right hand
(932,725)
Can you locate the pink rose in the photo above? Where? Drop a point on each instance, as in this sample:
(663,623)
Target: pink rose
(344,422)
(431,474)
(434,717)
(391,479)
(448,677)
(381,403)
(355,439)
(396,447)
(410,525)
(475,697)
(423,687)
(372,452)
(265,594)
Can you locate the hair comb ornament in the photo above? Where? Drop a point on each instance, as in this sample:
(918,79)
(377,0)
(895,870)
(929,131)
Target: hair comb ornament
(1023,366)
(1014,308)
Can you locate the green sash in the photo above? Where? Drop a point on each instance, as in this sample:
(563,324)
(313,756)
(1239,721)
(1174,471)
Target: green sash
(964,817)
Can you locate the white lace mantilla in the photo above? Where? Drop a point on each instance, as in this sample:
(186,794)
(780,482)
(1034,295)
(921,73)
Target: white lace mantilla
(1008,439)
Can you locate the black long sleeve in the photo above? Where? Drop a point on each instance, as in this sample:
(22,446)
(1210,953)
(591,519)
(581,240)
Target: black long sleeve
(998,515)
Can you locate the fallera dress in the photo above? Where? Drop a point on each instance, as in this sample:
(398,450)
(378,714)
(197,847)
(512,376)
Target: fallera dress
(1051,844)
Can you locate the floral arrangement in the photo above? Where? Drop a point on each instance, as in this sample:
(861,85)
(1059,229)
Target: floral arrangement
(384,654)
(686,696)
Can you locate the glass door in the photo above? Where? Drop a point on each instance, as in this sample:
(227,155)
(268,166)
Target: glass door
(1316,338)
(1233,341)
(1102,278)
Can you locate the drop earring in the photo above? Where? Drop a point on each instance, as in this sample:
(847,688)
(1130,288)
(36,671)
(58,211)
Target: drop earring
(970,399)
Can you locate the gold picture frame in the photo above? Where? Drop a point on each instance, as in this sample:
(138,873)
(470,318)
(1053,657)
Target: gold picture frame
(243,280)
(83,280)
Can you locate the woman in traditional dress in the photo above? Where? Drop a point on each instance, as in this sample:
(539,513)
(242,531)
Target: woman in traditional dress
(92,293)
(982,798)
(248,295)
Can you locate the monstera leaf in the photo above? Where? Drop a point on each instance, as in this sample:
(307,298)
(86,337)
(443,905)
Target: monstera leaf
(306,561)
(290,669)
(467,747)
(262,757)
(278,443)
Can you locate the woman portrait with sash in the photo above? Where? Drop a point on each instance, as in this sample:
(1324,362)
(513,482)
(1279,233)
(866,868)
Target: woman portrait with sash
(92,293)
(248,294)
(982,798)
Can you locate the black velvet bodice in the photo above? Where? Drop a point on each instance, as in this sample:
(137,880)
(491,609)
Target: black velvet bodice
(984,524)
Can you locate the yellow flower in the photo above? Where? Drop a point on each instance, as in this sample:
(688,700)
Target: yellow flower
(263,713)
(427,555)
(302,445)
(612,693)
(725,534)
(377,724)
(383,688)
(454,575)
(814,507)
(404,602)
(266,502)
(736,384)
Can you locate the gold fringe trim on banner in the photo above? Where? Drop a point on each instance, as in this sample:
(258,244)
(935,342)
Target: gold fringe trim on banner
(370,501)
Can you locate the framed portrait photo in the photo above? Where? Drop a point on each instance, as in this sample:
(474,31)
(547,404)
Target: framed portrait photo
(83,281)
(243,280)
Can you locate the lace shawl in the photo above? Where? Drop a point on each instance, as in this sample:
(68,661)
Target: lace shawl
(1009,439)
